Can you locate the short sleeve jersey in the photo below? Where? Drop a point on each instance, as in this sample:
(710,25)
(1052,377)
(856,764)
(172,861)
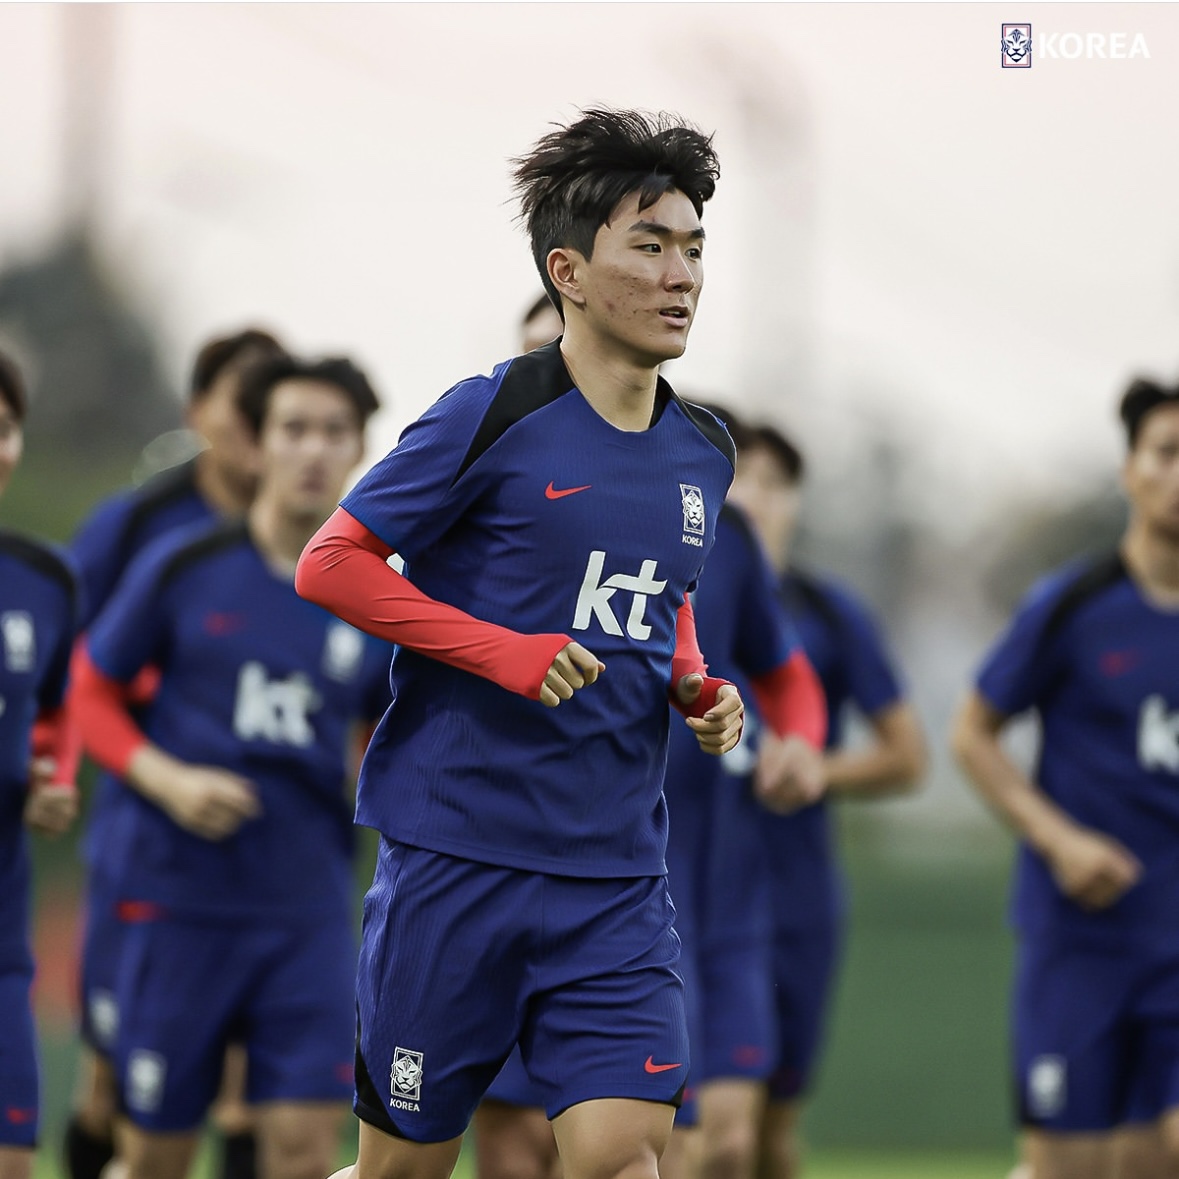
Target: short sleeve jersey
(1095,660)
(714,842)
(38,613)
(848,652)
(105,544)
(513,500)
(255,680)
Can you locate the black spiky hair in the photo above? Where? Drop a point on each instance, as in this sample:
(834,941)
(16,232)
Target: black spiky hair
(1139,399)
(576,176)
(260,378)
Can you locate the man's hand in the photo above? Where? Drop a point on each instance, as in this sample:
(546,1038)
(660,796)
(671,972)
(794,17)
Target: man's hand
(573,668)
(1092,869)
(50,807)
(789,774)
(210,802)
(720,727)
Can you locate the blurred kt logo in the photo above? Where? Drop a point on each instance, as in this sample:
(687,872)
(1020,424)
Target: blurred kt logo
(1017,47)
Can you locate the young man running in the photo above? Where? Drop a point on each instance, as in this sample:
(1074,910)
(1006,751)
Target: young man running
(232,833)
(38,617)
(516,781)
(1093,651)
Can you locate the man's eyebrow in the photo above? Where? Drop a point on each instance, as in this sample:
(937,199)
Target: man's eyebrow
(661,230)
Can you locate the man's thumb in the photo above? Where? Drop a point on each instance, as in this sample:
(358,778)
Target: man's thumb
(689,687)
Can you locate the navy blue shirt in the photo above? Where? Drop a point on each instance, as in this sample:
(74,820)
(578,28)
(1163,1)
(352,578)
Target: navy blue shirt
(1096,661)
(254,680)
(848,652)
(38,614)
(513,500)
(714,845)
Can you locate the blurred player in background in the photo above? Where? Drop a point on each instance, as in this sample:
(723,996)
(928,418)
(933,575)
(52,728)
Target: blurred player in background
(520,892)
(1093,651)
(542,323)
(716,858)
(38,618)
(218,483)
(232,833)
(844,644)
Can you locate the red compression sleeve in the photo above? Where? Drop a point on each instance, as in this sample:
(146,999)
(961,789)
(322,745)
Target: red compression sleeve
(689,660)
(56,736)
(790,699)
(99,708)
(343,568)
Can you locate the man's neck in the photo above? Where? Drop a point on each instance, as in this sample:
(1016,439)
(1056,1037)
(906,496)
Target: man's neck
(1153,560)
(223,496)
(619,390)
(279,536)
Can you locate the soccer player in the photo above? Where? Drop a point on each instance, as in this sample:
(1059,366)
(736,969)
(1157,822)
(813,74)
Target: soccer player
(232,833)
(717,871)
(38,615)
(218,483)
(1092,650)
(542,323)
(516,780)
(845,646)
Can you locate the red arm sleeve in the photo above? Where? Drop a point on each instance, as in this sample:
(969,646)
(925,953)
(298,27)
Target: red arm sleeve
(689,660)
(56,736)
(790,699)
(99,708)
(343,568)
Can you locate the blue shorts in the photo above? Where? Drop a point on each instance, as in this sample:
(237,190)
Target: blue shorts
(188,989)
(1096,1034)
(804,969)
(513,1085)
(102,939)
(460,960)
(19,1106)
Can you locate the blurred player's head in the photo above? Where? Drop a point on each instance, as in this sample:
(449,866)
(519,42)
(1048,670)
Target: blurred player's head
(1150,475)
(541,323)
(13,405)
(767,484)
(308,417)
(212,405)
(613,203)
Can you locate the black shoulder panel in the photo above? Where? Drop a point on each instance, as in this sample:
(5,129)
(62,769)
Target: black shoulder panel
(1103,572)
(707,425)
(158,492)
(39,556)
(809,592)
(532,381)
(223,536)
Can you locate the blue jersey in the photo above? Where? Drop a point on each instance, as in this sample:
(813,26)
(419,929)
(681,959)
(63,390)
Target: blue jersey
(513,500)
(715,849)
(102,548)
(848,653)
(254,680)
(38,610)
(1097,662)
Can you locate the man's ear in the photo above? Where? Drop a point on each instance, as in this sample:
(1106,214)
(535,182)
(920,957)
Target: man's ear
(564,266)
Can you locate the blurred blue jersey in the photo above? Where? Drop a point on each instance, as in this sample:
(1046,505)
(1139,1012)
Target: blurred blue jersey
(513,500)
(848,653)
(716,871)
(1097,663)
(254,680)
(38,608)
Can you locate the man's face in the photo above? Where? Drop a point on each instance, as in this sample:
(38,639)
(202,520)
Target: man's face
(217,419)
(12,443)
(641,286)
(544,326)
(310,440)
(1151,473)
(768,497)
